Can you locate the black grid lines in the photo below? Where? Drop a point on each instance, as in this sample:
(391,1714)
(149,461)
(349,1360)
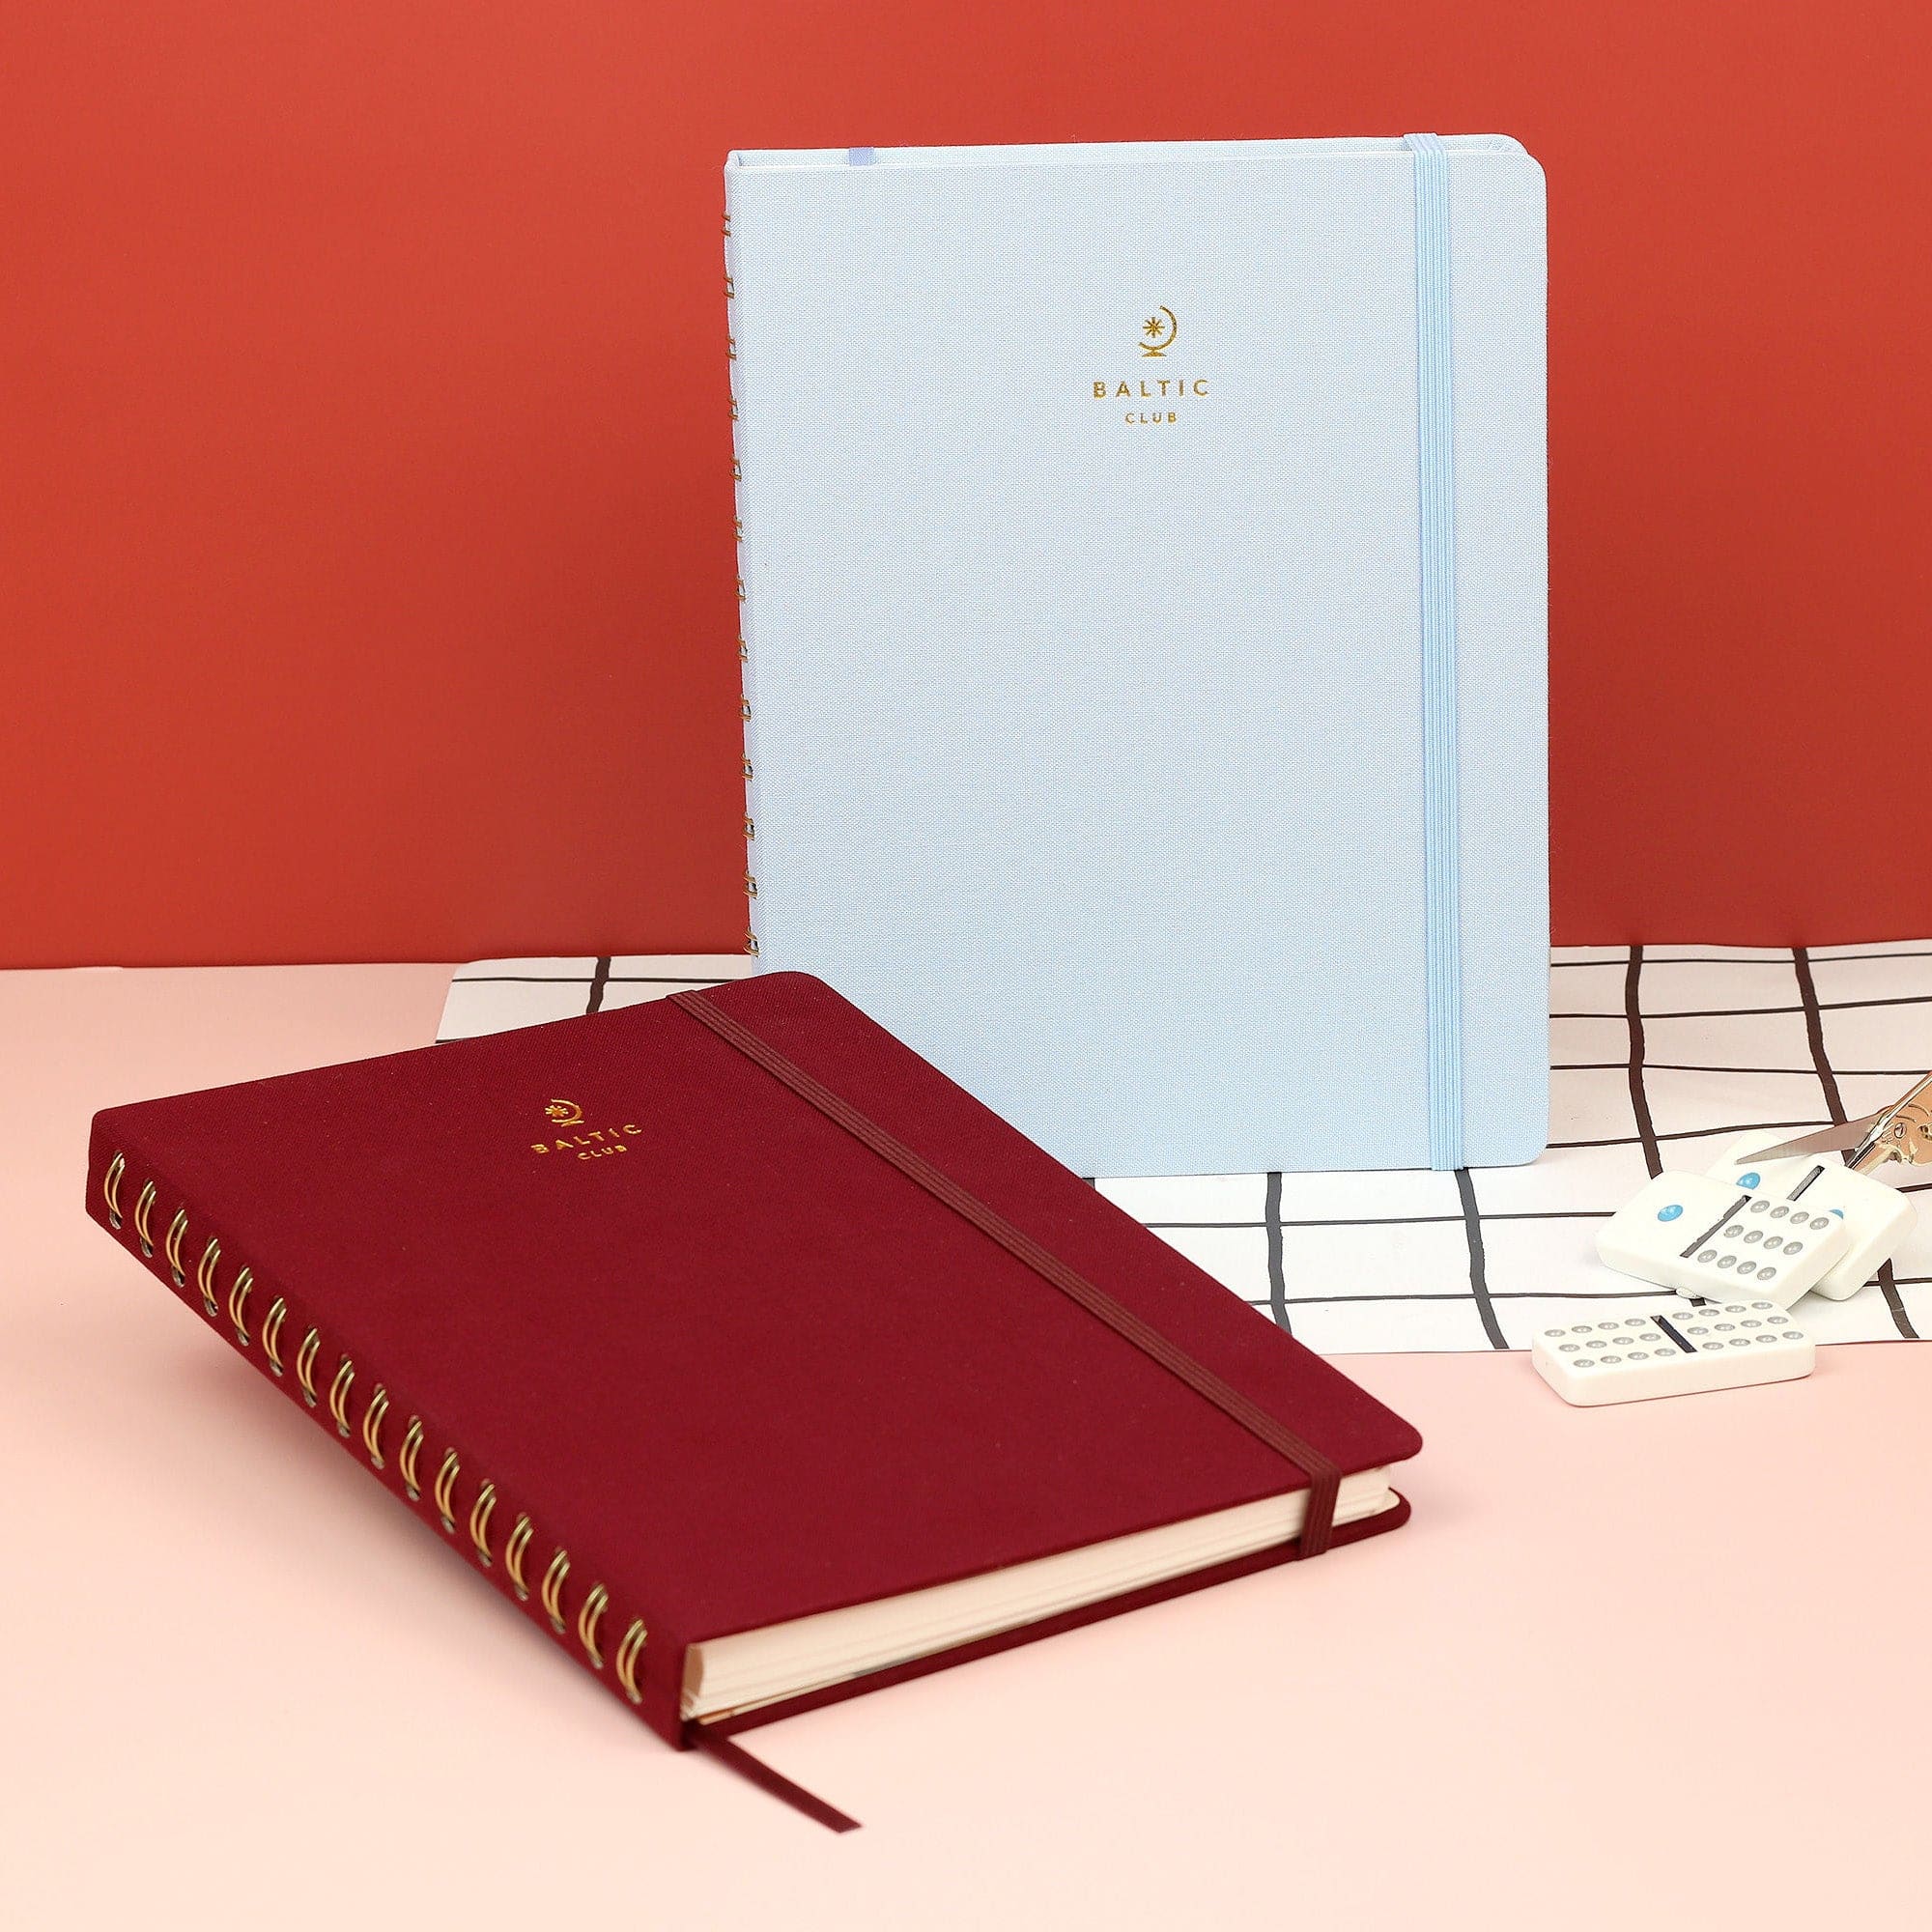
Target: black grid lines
(1661,1056)
(494,995)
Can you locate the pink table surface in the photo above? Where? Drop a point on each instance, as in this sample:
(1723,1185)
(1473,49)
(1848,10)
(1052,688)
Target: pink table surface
(1665,1663)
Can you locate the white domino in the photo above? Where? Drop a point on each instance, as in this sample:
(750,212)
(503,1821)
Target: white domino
(1707,1239)
(1640,1358)
(1877,1218)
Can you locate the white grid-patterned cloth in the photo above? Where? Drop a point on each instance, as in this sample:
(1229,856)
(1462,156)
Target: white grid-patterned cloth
(1660,1055)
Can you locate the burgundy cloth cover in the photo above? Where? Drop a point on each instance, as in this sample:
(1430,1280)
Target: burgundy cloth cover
(735,1364)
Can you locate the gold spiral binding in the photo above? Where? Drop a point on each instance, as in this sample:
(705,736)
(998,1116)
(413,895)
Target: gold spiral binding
(338,1395)
(203,1278)
(587,1620)
(405,1458)
(306,1355)
(750,827)
(143,1207)
(272,1332)
(751,944)
(750,886)
(625,1662)
(445,1489)
(551,1589)
(237,1303)
(479,1522)
(513,1556)
(590,1614)
(172,1246)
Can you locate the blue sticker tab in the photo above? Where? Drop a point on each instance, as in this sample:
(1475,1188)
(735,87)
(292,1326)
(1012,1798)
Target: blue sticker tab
(1670,1213)
(1750,1179)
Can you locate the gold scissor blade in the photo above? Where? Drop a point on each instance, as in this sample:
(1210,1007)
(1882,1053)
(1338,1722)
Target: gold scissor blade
(1826,1140)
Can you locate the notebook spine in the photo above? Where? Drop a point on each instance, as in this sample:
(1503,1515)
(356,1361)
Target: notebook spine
(402,1447)
(746,695)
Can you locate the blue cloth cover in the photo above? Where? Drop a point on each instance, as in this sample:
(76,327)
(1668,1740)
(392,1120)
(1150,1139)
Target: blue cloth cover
(1144,560)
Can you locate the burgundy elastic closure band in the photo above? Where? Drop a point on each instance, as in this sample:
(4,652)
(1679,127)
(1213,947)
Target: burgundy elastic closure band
(1325,1478)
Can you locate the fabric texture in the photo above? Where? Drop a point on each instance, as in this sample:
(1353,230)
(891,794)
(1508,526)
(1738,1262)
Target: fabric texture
(1084,663)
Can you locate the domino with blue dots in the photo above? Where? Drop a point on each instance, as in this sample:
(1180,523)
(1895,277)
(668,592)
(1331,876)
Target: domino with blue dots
(1714,1238)
(1877,1218)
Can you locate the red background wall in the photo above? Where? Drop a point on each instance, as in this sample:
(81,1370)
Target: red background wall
(368,579)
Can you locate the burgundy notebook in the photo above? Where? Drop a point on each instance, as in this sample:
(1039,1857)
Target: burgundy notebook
(754,1360)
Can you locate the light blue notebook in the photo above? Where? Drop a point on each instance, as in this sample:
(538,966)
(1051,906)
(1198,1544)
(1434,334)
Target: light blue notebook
(1143,564)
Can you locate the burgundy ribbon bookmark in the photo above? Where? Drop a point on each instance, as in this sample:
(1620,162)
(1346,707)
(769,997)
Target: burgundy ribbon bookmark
(735,1758)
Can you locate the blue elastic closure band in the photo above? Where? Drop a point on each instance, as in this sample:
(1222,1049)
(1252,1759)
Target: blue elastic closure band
(1441,841)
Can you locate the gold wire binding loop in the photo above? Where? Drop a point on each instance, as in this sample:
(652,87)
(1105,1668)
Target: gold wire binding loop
(551,1590)
(143,1207)
(479,1522)
(372,1424)
(305,1364)
(587,1619)
(238,1302)
(406,1457)
(272,1332)
(172,1246)
(110,1188)
(626,1661)
(203,1278)
(338,1395)
(513,1556)
(445,1489)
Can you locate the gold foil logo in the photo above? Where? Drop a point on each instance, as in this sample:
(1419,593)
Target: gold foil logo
(1159,331)
(1153,400)
(587,1144)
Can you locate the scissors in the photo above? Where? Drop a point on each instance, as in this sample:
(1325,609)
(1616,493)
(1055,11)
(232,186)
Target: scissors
(1900,1133)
